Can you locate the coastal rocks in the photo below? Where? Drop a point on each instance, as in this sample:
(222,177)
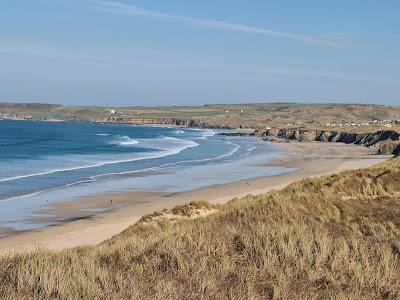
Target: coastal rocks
(160,121)
(389,147)
(396,151)
(238,133)
(386,142)
(171,122)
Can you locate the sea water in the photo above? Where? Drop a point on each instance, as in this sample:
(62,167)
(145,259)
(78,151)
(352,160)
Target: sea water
(60,161)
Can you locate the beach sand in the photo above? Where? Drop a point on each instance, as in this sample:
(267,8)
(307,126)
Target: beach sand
(81,226)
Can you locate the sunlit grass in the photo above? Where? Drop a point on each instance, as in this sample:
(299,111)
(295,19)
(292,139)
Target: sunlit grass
(334,237)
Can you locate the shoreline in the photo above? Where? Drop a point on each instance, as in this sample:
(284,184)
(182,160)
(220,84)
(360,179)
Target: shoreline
(311,159)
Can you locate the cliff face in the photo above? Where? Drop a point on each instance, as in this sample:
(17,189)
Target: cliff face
(166,121)
(386,142)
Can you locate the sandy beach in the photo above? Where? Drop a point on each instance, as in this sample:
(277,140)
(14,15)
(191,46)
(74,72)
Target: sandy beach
(91,228)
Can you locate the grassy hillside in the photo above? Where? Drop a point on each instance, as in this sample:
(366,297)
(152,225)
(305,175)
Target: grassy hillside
(333,237)
(245,115)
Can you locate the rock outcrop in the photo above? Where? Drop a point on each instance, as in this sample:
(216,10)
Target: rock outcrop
(166,121)
(386,141)
(253,133)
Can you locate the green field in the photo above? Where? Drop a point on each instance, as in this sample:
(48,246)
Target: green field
(240,115)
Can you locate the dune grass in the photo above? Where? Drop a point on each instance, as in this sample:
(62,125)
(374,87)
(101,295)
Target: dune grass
(333,237)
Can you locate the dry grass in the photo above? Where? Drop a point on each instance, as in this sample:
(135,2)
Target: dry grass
(192,210)
(334,237)
(363,129)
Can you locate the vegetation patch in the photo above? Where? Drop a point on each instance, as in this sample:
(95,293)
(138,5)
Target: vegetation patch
(333,237)
(188,211)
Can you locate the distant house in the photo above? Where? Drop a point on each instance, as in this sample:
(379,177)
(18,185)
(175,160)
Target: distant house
(113,112)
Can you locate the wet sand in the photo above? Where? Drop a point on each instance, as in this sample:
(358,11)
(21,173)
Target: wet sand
(92,220)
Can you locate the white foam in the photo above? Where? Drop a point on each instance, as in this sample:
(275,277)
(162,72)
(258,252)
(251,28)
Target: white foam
(103,134)
(172,143)
(249,151)
(209,133)
(93,178)
(45,190)
(177,146)
(205,133)
(230,153)
(124,140)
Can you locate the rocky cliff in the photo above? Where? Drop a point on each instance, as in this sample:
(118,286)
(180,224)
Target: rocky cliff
(386,142)
(165,121)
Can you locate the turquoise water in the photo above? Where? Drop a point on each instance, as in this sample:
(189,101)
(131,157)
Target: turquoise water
(42,162)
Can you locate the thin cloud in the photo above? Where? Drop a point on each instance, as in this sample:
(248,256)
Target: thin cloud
(285,72)
(127,9)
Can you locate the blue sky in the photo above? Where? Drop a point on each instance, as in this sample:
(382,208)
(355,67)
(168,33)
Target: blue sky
(143,52)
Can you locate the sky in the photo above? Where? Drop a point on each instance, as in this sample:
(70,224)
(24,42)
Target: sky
(185,52)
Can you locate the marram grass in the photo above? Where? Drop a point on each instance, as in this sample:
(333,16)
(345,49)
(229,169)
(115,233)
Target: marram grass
(333,237)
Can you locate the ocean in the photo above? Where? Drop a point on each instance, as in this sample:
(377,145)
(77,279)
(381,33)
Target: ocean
(42,162)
